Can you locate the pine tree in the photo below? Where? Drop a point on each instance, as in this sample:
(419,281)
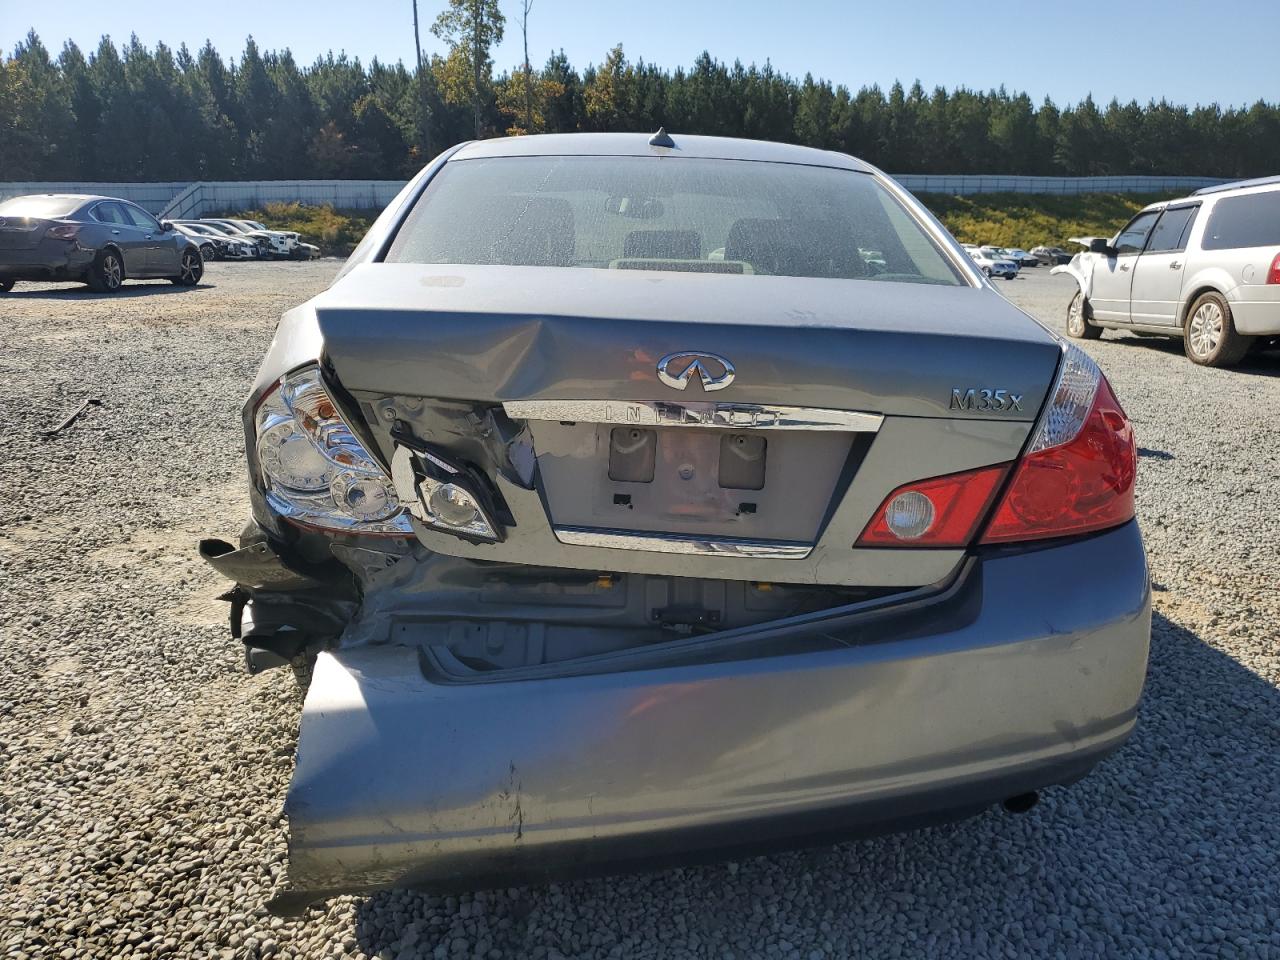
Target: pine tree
(472,28)
(140,113)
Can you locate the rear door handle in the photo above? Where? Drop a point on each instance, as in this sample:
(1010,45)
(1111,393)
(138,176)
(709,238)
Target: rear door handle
(1175,265)
(116,232)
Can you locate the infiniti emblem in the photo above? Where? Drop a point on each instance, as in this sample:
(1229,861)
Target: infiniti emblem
(677,369)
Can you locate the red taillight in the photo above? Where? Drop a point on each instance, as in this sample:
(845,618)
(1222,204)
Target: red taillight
(63,231)
(1077,476)
(1085,484)
(940,512)
(1273,275)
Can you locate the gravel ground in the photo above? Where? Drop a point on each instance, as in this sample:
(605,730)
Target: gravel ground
(144,772)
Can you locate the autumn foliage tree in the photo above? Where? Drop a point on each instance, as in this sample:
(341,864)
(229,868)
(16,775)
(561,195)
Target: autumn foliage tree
(471,28)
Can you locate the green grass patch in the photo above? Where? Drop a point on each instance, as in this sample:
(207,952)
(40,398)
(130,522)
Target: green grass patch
(1029,220)
(335,232)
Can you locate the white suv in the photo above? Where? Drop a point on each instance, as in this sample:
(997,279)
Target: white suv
(1205,268)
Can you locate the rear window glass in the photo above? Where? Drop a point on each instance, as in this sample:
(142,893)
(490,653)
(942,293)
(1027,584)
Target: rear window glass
(1248,220)
(689,215)
(43,207)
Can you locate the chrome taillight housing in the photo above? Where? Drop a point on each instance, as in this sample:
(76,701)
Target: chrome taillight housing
(314,470)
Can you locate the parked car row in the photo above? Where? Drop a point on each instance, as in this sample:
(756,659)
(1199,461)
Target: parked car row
(1007,261)
(993,261)
(232,239)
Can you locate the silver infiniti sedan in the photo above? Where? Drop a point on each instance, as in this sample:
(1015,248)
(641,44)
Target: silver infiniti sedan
(100,241)
(615,509)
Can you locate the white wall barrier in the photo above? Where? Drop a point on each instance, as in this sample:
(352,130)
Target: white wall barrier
(967,184)
(207,196)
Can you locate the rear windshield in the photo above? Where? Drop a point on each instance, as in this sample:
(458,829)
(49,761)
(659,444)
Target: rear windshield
(44,207)
(1247,220)
(689,215)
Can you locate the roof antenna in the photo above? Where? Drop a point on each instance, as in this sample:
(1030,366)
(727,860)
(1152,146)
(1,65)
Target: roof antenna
(661,139)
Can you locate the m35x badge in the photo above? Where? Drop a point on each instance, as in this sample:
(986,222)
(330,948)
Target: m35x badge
(984,400)
(677,369)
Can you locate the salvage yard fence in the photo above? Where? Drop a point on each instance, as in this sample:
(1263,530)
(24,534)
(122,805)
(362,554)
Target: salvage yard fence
(188,200)
(205,196)
(962,185)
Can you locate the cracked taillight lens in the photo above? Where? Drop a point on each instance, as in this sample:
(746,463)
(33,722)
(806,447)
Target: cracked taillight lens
(315,471)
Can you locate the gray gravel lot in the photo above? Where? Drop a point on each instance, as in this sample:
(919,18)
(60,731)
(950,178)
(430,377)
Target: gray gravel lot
(144,772)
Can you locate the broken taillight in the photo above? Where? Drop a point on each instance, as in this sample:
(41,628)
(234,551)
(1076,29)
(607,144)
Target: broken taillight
(315,470)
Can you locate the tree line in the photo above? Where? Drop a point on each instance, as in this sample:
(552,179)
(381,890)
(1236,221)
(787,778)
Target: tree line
(134,113)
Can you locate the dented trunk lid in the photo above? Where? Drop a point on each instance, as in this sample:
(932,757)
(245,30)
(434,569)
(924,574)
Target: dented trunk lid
(493,334)
(546,382)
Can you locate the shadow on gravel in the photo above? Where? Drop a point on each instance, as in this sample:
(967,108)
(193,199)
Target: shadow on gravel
(1167,845)
(140,288)
(1260,361)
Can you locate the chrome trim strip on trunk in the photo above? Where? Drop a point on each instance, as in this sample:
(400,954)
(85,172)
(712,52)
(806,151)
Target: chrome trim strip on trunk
(682,543)
(695,413)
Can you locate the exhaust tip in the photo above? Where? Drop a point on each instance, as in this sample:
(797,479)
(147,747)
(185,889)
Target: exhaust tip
(1022,802)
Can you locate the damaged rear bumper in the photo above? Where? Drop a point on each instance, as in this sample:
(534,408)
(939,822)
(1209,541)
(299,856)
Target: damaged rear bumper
(406,779)
(49,260)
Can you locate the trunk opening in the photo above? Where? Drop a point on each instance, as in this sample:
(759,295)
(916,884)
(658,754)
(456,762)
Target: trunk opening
(484,618)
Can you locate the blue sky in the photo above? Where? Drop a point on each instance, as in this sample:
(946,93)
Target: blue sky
(1185,50)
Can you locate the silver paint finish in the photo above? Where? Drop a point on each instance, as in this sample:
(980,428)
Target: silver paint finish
(400,779)
(404,778)
(496,334)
